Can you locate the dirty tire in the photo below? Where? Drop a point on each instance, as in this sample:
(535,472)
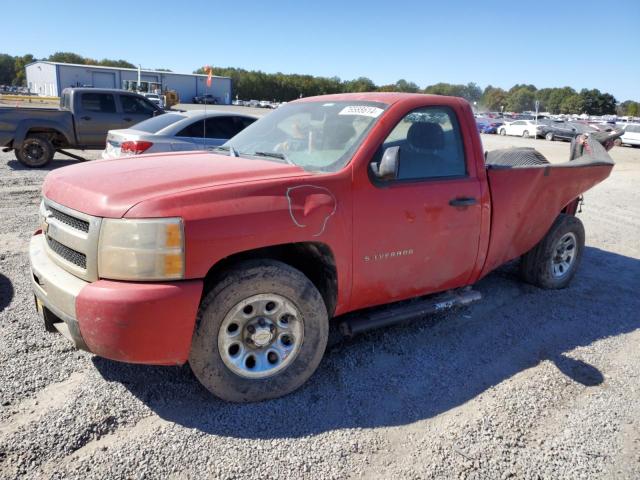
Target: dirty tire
(246,280)
(536,266)
(35,151)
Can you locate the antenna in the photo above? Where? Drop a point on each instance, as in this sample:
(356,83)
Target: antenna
(204,130)
(204,123)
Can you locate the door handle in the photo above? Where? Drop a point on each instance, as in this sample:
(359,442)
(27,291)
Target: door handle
(127,119)
(463,202)
(85,118)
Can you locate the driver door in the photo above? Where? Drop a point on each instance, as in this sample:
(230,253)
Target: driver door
(418,233)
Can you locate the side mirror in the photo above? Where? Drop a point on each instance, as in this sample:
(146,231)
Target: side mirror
(387,169)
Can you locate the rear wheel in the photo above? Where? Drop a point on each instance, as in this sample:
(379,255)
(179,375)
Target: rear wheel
(525,134)
(35,151)
(549,136)
(261,333)
(553,262)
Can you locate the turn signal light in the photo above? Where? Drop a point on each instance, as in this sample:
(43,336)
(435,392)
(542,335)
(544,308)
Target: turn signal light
(135,147)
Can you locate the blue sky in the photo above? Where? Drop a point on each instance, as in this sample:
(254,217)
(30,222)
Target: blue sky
(583,44)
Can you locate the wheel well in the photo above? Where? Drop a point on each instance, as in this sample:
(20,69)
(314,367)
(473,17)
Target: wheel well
(54,136)
(313,259)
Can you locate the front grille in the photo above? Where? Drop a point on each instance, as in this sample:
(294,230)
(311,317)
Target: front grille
(69,254)
(73,222)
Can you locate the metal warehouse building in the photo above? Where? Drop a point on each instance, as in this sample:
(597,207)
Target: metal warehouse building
(50,78)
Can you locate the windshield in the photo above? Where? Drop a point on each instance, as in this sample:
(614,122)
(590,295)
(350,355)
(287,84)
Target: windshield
(155,124)
(317,136)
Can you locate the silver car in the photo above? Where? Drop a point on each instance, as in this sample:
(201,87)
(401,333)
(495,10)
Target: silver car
(176,132)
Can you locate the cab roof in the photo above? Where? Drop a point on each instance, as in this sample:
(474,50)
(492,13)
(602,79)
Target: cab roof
(382,97)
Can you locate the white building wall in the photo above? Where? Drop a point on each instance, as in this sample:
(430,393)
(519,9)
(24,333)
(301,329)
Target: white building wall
(42,80)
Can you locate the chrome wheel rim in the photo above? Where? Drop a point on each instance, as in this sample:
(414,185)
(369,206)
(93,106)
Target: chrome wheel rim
(564,255)
(261,336)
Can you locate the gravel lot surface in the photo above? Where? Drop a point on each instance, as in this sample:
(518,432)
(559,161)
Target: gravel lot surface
(525,384)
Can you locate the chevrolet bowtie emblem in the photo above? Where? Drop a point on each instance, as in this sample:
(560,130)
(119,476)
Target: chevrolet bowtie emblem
(45,225)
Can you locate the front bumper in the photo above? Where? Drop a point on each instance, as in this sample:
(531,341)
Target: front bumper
(133,322)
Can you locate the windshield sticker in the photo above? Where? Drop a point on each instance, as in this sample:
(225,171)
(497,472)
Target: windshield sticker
(362,110)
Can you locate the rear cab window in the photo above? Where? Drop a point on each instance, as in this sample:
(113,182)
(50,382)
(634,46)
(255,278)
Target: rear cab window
(65,101)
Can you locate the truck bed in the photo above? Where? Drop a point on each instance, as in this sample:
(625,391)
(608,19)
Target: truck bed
(10,119)
(528,193)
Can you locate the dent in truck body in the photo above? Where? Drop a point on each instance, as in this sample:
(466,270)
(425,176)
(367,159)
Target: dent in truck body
(311,206)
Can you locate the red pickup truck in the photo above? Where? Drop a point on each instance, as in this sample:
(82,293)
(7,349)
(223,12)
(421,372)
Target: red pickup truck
(235,261)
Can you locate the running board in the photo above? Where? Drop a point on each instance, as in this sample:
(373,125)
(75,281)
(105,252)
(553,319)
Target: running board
(355,323)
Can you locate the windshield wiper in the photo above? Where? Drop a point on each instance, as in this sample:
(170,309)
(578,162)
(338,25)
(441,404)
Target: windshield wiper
(279,155)
(230,149)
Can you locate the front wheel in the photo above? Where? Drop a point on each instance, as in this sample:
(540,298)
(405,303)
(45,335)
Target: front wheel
(260,333)
(525,134)
(549,136)
(617,142)
(553,262)
(502,132)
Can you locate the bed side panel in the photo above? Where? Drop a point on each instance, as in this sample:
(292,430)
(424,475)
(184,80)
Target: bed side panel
(526,201)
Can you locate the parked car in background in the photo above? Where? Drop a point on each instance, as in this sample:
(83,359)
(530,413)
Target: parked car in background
(82,122)
(155,99)
(492,127)
(176,132)
(488,125)
(264,104)
(206,99)
(521,128)
(631,135)
(559,130)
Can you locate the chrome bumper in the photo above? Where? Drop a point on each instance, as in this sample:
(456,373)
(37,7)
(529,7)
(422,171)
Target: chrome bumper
(57,291)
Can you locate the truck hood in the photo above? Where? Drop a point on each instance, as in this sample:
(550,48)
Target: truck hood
(109,188)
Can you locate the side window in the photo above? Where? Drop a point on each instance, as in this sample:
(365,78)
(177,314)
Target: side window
(220,127)
(227,127)
(244,122)
(430,144)
(196,129)
(131,104)
(98,102)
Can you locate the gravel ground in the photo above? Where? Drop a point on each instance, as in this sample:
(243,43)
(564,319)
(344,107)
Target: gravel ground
(525,384)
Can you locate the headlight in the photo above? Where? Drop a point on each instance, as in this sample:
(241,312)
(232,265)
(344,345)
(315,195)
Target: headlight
(150,249)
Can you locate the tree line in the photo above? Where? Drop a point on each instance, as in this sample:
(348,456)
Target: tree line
(255,84)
